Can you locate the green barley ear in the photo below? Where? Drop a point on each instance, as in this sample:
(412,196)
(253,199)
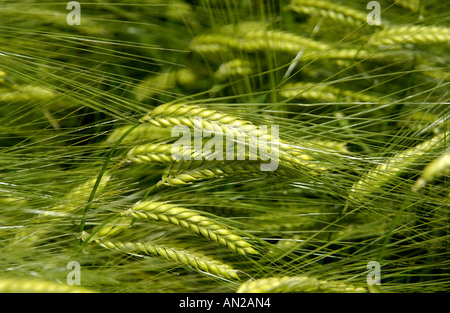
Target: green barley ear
(191,221)
(160,153)
(72,95)
(142,133)
(319,92)
(154,85)
(425,122)
(296,284)
(413,34)
(253,37)
(183,111)
(412,5)
(169,115)
(212,170)
(379,176)
(16,285)
(436,168)
(329,10)
(188,258)
(154,152)
(234,68)
(79,196)
(25,93)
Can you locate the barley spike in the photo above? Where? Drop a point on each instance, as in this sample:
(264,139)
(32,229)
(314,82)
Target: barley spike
(191,221)
(296,284)
(191,259)
(436,168)
(14,285)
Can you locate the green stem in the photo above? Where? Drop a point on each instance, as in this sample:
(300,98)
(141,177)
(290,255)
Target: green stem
(99,178)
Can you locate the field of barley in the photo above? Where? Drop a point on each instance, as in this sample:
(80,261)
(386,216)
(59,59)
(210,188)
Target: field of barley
(336,176)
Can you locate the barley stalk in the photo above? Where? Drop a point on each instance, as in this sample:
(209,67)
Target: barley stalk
(14,285)
(436,168)
(191,221)
(414,34)
(191,259)
(393,166)
(296,284)
(329,10)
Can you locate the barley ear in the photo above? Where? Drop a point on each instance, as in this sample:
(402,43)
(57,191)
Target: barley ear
(217,170)
(413,34)
(188,258)
(14,285)
(296,284)
(154,152)
(412,5)
(169,115)
(330,11)
(192,221)
(393,166)
(436,168)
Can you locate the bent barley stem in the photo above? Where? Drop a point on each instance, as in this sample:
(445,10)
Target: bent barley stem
(99,178)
